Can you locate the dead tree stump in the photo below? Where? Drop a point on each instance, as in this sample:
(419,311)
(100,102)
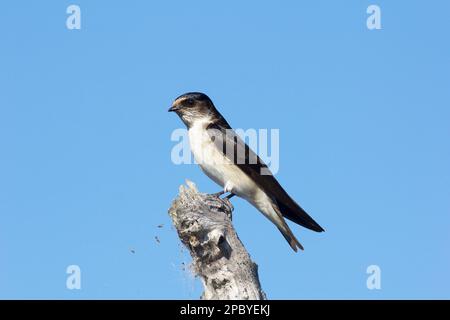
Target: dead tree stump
(203,223)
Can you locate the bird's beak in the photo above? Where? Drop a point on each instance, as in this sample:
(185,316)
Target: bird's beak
(174,108)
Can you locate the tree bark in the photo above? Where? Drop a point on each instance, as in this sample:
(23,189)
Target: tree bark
(203,223)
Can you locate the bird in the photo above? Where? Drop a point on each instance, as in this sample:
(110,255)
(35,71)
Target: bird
(227,160)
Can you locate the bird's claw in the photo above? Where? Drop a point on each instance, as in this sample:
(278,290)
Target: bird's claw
(217,194)
(227,202)
(220,204)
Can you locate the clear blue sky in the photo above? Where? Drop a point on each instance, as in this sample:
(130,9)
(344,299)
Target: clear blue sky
(85,168)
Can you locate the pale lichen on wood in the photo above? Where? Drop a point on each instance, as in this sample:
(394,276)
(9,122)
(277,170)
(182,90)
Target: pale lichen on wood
(203,223)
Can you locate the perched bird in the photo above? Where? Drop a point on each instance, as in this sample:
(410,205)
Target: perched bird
(227,160)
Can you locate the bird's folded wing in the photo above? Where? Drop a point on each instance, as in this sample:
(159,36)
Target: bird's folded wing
(236,150)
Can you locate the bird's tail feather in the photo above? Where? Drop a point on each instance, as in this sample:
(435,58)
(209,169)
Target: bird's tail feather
(291,239)
(286,231)
(291,210)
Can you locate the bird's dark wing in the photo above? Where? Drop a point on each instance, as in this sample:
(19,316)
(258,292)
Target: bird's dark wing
(240,153)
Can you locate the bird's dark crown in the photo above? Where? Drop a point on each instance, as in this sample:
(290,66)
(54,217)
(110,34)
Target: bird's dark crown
(196,96)
(192,101)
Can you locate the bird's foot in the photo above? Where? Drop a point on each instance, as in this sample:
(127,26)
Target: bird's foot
(220,204)
(227,188)
(217,194)
(227,202)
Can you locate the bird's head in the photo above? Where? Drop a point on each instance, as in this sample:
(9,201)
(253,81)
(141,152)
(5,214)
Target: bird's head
(192,107)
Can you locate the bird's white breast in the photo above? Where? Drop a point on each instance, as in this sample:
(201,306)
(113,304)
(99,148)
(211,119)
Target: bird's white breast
(215,165)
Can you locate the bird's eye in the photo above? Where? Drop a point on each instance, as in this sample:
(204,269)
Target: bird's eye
(189,102)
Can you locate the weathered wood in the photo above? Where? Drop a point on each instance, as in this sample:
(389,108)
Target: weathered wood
(203,223)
